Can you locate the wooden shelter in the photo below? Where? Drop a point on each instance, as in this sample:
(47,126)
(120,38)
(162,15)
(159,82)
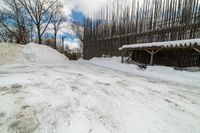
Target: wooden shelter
(153,48)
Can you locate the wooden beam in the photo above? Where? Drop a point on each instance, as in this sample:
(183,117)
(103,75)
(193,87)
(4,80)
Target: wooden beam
(157,51)
(129,57)
(148,51)
(196,49)
(152,53)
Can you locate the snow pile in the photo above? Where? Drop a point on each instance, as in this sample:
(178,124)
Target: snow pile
(165,44)
(156,72)
(41,53)
(16,53)
(11,53)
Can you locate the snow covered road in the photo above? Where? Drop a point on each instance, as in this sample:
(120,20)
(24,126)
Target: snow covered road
(77,97)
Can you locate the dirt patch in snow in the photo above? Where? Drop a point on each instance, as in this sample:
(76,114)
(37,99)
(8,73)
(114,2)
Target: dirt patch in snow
(13,89)
(24,122)
(2,115)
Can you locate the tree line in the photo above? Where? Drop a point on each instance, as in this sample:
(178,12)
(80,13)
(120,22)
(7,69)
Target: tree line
(28,19)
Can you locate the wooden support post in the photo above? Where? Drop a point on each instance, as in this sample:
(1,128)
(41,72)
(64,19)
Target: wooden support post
(152,53)
(197,50)
(122,56)
(199,61)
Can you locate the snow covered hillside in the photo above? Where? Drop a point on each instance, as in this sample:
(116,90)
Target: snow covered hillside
(48,94)
(16,53)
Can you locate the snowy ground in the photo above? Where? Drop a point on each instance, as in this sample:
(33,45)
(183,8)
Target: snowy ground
(167,74)
(60,96)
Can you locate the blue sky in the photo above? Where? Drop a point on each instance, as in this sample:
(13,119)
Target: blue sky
(77,16)
(77,9)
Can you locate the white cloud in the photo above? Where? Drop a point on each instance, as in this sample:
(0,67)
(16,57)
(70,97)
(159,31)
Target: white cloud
(84,6)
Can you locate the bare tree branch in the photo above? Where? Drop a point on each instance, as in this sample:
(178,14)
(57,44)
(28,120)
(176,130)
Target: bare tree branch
(13,19)
(57,19)
(40,13)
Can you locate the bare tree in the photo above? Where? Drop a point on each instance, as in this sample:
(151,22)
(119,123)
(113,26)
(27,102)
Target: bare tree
(13,20)
(77,29)
(41,14)
(57,20)
(31,30)
(3,34)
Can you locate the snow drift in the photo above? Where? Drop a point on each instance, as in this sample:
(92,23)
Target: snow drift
(32,52)
(41,53)
(11,53)
(163,73)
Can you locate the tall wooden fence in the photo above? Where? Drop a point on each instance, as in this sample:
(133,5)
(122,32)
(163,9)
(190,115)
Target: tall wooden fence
(131,22)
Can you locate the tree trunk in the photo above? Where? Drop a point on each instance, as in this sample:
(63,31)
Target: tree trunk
(31,35)
(3,38)
(39,40)
(18,41)
(39,35)
(55,39)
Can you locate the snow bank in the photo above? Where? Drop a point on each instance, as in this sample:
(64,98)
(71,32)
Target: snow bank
(155,72)
(16,53)
(41,53)
(11,53)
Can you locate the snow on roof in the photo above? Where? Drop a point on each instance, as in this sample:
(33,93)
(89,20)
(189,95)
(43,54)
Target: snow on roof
(177,43)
